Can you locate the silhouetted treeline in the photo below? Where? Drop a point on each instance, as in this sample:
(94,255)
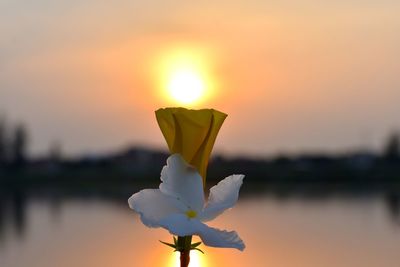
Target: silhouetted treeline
(13,145)
(139,164)
(144,165)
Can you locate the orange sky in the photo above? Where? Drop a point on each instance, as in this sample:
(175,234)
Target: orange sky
(292,75)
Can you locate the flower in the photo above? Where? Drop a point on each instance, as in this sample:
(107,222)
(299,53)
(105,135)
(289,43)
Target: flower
(191,133)
(179,205)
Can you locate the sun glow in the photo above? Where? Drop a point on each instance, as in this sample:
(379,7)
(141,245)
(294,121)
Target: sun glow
(185,75)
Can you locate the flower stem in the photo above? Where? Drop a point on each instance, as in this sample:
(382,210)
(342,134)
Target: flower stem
(185,242)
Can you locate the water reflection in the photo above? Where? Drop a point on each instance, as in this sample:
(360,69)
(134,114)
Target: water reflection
(393,205)
(80,229)
(2,218)
(13,212)
(19,202)
(196,260)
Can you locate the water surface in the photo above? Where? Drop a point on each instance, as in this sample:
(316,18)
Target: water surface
(294,232)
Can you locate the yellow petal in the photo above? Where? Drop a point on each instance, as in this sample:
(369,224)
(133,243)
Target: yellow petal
(191,133)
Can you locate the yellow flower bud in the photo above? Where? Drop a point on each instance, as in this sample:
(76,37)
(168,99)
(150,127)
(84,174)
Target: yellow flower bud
(191,133)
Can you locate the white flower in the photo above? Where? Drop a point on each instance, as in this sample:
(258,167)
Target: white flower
(179,205)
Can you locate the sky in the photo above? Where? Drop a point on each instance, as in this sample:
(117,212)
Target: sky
(293,76)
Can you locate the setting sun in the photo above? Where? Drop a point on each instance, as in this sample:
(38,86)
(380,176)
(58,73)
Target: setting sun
(186,86)
(185,74)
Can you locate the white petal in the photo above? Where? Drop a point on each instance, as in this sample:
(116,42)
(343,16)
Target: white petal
(222,196)
(179,224)
(221,239)
(182,181)
(153,206)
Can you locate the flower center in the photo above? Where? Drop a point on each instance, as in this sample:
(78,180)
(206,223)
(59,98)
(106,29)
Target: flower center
(191,214)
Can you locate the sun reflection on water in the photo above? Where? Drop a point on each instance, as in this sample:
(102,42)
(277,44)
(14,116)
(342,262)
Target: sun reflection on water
(196,260)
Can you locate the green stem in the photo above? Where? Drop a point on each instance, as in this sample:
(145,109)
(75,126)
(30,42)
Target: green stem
(185,242)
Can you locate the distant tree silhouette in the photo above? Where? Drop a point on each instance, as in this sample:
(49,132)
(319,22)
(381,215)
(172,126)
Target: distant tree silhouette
(19,145)
(392,148)
(55,152)
(3,140)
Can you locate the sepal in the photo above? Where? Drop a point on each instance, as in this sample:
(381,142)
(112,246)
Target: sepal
(177,247)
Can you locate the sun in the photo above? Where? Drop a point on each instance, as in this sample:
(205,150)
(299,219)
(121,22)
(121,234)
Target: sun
(185,75)
(186,85)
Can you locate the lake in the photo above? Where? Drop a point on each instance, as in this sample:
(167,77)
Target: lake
(338,230)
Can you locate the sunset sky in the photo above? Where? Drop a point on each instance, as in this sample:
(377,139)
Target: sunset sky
(293,76)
